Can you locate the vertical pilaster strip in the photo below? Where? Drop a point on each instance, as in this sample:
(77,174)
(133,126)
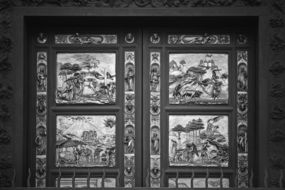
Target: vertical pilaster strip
(242,118)
(155,170)
(41,119)
(129,120)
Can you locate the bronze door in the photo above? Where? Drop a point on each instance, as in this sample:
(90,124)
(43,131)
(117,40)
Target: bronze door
(140,106)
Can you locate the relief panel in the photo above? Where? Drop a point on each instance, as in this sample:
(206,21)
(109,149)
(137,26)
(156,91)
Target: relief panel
(85,140)
(198,78)
(198,140)
(86,78)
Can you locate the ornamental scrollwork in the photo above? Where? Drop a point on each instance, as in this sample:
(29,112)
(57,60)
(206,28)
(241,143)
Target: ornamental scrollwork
(5,65)
(277,43)
(4,112)
(276,68)
(277,91)
(278,113)
(5,4)
(277,135)
(277,22)
(4,136)
(6,91)
(5,164)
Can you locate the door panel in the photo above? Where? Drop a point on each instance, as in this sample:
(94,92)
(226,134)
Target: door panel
(193,116)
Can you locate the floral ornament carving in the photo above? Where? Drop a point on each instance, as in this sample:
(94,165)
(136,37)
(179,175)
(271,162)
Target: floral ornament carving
(4,137)
(277,135)
(276,68)
(277,43)
(6,91)
(277,113)
(5,164)
(277,91)
(4,25)
(277,22)
(278,5)
(5,4)
(5,65)
(4,113)
(277,161)
(5,44)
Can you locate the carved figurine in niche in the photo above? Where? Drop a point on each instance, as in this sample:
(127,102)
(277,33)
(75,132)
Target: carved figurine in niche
(41,77)
(242,77)
(155,39)
(41,140)
(130,76)
(40,168)
(154,77)
(155,141)
(155,167)
(155,108)
(242,138)
(42,56)
(41,105)
(243,170)
(130,139)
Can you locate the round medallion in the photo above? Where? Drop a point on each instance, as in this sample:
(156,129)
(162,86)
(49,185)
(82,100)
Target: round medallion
(42,38)
(154,38)
(129,38)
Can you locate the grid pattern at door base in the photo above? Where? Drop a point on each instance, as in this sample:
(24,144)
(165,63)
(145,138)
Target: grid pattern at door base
(155,170)
(129,129)
(41,119)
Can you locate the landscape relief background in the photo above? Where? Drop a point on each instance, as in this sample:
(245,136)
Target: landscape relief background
(198,140)
(198,78)
(85,141)
(86,78)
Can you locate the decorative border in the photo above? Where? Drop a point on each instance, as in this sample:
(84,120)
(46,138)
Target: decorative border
(41,119)
(242,119)
(85,39)
(155,170)
(129,120)
(183,39)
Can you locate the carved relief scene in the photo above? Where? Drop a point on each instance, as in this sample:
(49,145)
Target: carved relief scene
(86,78)
(198,140)
(198,78)
(85,141)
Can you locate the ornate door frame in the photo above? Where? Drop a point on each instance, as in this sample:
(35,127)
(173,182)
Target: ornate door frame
(23,15)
